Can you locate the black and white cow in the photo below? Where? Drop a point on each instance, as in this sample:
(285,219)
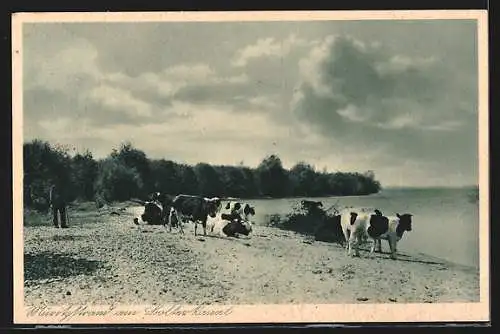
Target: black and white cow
(359,226)
(234,220)
(153,213)
(156,209)
(239,210)
(390,228)
(194,208)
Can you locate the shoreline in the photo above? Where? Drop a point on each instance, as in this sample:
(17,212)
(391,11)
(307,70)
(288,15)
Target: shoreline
(105,258)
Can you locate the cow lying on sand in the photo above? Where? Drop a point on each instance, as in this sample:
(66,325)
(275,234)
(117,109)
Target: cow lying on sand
(374,226)
(235,220)
(194,208)
(224,227)
(153,213)
(156,209)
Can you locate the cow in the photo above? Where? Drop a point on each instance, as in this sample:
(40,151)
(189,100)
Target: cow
(390,228)
(352,231)
(156,209)
(234,228)
(358,226)
(153,212)
(194,208)
(224,225)
(238,210)
(227,225)
(236,219)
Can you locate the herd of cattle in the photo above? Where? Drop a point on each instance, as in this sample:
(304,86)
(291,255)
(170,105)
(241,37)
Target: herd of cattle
(232,220)
(235,218)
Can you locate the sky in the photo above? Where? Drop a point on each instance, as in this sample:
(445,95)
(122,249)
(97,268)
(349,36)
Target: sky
(395,97)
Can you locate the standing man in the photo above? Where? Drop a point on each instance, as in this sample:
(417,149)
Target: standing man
(58,205)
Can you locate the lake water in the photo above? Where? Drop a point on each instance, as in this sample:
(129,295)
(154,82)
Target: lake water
(445,222)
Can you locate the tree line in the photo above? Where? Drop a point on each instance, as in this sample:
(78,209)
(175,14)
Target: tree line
(128,173)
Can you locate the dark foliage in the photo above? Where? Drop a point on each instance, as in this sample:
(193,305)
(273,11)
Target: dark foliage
(128,173)
(321,223)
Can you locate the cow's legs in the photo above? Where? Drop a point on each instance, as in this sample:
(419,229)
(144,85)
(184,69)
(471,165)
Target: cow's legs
(353,243)
(357,242)
(195,228)
(373,242)
(204,224)
(170,217)
(179,222)
(346,237)
(392,244)
(379,246)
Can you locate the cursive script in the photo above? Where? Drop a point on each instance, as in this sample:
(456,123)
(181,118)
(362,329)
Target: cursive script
(66,313)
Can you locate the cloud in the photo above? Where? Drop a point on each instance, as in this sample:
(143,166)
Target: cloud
(345,80)
(120,101)
(357,95)
(70,81)
(267,47)
(382,98)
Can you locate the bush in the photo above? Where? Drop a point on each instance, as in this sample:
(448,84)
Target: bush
(317,222)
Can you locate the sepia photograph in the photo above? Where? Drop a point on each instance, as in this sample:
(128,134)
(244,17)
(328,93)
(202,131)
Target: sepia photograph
(250,167)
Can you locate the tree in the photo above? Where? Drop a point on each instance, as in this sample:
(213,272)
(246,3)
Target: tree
(233,181)
(45,165)
(209,183)
(189,182)
(127,172)
(303,177)
(137,159)
(84,174)
(250,182)
(116,181)
(166,176)
(273,178)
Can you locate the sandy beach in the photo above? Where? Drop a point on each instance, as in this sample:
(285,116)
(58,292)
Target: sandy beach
(104,258)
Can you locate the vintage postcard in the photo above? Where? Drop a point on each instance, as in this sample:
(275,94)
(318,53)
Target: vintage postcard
(250,167)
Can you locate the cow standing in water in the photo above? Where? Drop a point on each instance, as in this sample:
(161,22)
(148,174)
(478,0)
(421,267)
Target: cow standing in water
(58,202)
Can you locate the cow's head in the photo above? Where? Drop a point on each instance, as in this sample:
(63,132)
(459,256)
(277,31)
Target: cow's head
(404,221)
(213,205)
(354,215)
(218,202)
(249,210)
(237,206)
